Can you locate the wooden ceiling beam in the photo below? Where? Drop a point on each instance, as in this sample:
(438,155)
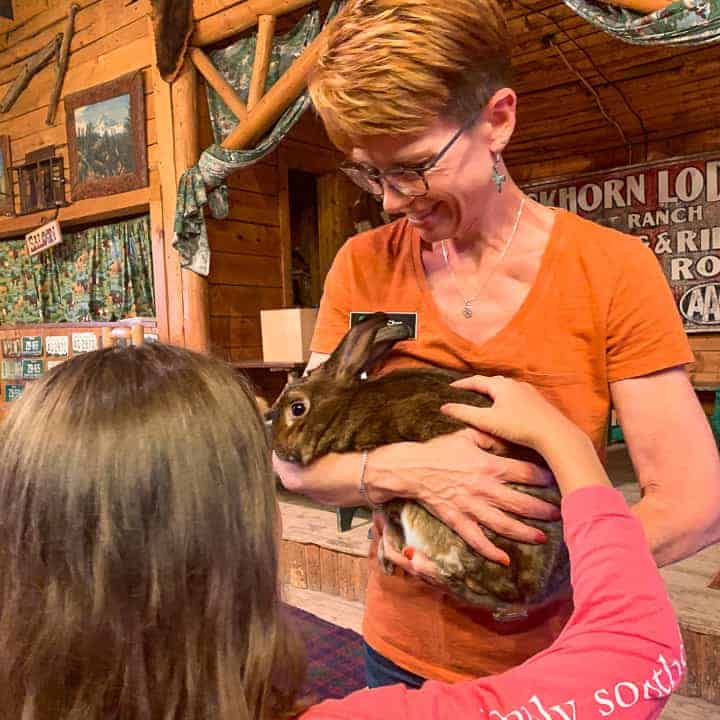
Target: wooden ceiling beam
(235,20)
(274,103)
(218,83)
(261,63)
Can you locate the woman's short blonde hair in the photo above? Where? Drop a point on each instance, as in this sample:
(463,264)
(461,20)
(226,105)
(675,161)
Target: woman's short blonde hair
(393,66)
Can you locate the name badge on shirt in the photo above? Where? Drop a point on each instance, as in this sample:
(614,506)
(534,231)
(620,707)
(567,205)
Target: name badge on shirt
(394,318)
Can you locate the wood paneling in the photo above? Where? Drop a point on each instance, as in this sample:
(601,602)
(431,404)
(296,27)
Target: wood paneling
(243,301)
(319,557)
(243,238)
(111,38)
(249,270)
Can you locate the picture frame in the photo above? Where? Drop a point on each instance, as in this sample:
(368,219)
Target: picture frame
(7,199)
(106,138)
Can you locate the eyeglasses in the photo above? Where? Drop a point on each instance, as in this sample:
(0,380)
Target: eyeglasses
(410,182)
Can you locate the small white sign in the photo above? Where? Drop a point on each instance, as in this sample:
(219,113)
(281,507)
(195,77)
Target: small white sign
(44,237)
(54,363)
(84,342)
(56,344)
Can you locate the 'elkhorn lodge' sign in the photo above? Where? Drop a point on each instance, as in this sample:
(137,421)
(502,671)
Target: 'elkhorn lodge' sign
(674,207)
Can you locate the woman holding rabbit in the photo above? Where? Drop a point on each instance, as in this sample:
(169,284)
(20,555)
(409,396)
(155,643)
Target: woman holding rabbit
(417,94)
(139,553)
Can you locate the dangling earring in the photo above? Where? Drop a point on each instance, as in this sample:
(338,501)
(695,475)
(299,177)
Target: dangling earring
(497,177)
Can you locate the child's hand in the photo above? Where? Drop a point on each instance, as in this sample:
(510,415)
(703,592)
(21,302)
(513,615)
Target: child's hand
(519,412)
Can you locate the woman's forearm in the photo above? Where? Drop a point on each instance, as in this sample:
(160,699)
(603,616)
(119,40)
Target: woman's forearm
(334,479)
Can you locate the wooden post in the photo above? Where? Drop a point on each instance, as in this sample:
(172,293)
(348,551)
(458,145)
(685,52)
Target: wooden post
(167,275)
(243,16)
(187,150)
(261,64)
(61,68)
(221,86)
(277,99)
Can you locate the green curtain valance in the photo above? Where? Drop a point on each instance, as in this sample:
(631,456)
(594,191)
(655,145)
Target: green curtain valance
(685,22)
(102,273)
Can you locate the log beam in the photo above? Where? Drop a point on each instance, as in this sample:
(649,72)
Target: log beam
(61,68)
(276,100)
(233,21)
(33,65)
(261,63)
(218,83)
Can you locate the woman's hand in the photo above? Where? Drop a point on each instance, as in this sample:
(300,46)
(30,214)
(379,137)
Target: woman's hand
(519,413)
(463,485)
(410,560)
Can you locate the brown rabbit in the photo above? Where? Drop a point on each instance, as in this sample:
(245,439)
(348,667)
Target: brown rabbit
(333,410)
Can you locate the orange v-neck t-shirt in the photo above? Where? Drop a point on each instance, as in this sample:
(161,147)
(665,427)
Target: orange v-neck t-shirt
(600,310)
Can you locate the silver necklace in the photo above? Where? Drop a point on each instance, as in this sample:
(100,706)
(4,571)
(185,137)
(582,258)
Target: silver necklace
(468,301)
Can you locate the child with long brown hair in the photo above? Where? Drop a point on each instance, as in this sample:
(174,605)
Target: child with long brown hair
(138,560)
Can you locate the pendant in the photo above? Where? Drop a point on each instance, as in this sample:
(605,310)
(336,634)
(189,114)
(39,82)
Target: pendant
(467,310)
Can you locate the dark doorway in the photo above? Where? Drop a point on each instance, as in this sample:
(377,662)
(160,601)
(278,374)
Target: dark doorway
(304,238)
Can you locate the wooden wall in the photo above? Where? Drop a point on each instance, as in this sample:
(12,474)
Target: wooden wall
(250,261)
(664,100)
(111,38)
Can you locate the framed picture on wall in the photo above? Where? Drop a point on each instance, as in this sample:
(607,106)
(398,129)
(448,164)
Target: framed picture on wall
(7,206)
(106,138)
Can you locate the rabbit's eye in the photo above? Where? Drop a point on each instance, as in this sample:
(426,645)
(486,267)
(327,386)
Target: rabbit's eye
(298,409)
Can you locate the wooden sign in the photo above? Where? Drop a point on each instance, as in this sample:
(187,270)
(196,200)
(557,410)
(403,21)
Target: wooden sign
(43,238)
(32,345)
(32,368)
(11,347)
(673,207)
(13,391)
(56,344)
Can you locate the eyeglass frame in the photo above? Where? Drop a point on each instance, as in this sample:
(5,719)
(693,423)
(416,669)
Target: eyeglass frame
(375,175)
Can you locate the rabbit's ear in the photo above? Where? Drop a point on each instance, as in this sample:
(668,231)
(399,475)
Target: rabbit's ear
(363,346)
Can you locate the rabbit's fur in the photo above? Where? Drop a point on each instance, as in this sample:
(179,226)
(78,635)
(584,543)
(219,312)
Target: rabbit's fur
(333,410)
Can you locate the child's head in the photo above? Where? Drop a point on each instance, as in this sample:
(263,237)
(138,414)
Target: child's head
(138,560)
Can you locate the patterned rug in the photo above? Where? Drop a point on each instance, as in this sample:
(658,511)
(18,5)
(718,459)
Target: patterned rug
(335,656)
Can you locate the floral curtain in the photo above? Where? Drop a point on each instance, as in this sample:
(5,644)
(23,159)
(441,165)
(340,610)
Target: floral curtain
(204,183)
(684,22)
(102,273)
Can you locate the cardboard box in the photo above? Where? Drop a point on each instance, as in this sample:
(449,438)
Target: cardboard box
(286,334)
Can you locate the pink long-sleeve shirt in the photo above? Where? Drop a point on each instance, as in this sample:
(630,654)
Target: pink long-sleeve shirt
(619,657)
